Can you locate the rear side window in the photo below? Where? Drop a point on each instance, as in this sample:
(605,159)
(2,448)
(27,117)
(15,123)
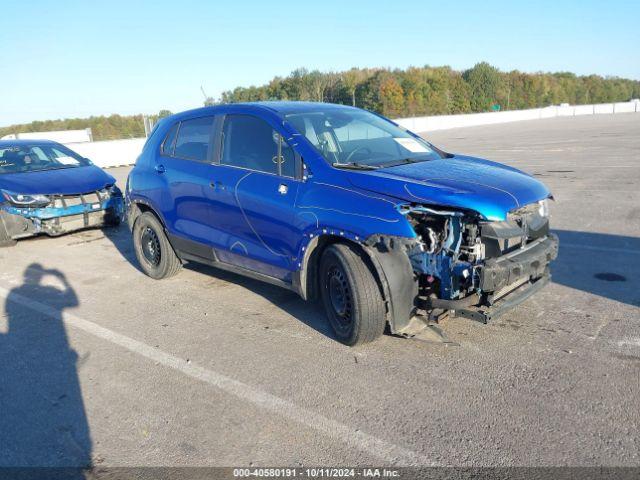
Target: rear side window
(193,139)
(170,140)
(251,143)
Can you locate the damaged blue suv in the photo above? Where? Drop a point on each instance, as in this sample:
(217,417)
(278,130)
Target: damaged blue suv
(340,204)
(46,188)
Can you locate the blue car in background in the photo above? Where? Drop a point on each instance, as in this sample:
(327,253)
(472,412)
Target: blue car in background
(340,204)
(47,188)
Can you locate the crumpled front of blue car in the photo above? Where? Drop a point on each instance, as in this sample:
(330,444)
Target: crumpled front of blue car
(25,215)
(476,267)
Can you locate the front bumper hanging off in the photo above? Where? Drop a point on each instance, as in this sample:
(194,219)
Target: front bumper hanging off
(506,281)
(529,262)
(485,313)
(64,215)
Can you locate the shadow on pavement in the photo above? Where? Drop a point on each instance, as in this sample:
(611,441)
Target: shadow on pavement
(120,236)
(43,422)
(310,314)
(598,263)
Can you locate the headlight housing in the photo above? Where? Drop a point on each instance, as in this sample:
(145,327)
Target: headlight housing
(543,208)
(111,191)
(115,191)
(24,200)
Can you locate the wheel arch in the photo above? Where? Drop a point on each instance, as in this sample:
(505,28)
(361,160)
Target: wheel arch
(385,256)
(138,207)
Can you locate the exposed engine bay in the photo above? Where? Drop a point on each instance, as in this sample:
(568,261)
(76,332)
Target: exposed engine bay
(468,266)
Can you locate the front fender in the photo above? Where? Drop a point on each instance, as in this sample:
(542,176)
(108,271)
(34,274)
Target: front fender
(399,283)
(389,259)
(340,207)
(327,213)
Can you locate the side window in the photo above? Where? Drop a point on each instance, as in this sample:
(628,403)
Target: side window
(194,137)
(250,142)
(170,140)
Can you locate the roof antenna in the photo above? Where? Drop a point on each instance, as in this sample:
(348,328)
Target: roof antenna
(208,101)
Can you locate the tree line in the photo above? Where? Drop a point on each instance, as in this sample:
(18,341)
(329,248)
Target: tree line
(414,91)
(112,127)
(417,91)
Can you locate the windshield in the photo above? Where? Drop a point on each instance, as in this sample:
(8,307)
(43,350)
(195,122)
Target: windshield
(358,138)
(32,158)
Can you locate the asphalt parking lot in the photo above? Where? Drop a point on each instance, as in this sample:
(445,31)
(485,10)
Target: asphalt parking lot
(100,364)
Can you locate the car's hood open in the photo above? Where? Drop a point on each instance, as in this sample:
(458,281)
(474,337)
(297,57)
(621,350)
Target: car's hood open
(65,181)
(488,188)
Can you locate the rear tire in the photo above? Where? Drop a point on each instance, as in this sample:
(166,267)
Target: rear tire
(155,254)
(351,296)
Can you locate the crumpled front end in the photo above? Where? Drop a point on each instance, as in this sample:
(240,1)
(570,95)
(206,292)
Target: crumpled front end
(62,214)
(478,269)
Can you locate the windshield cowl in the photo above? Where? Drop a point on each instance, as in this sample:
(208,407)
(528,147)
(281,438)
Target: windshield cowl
(37,170)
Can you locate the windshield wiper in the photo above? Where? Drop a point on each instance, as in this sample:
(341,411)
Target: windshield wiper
(403,161)
(64,167)
(355,166)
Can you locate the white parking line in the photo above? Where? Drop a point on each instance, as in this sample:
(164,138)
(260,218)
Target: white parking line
(565,165)
(630,341)
(600,249)
(565,189)
(370,444)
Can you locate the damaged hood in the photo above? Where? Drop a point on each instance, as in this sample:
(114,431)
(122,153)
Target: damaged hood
(65,181)
(488,188)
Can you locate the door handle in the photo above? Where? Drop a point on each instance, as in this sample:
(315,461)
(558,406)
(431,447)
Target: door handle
(160,168)
(216,185)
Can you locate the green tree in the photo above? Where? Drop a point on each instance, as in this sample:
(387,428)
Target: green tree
(391,96)
(350,80)
(484,82)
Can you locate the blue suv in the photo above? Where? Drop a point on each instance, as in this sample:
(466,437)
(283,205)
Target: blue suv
(340,204)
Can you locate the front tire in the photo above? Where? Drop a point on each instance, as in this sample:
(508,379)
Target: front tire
(153,250)
(351,296)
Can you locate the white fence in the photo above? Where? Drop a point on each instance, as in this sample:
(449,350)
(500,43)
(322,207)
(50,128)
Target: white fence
(443,122)
(110,153)
(115,153)
(60,136)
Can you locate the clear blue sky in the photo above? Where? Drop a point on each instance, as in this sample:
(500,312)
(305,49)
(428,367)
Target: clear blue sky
(77,58)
